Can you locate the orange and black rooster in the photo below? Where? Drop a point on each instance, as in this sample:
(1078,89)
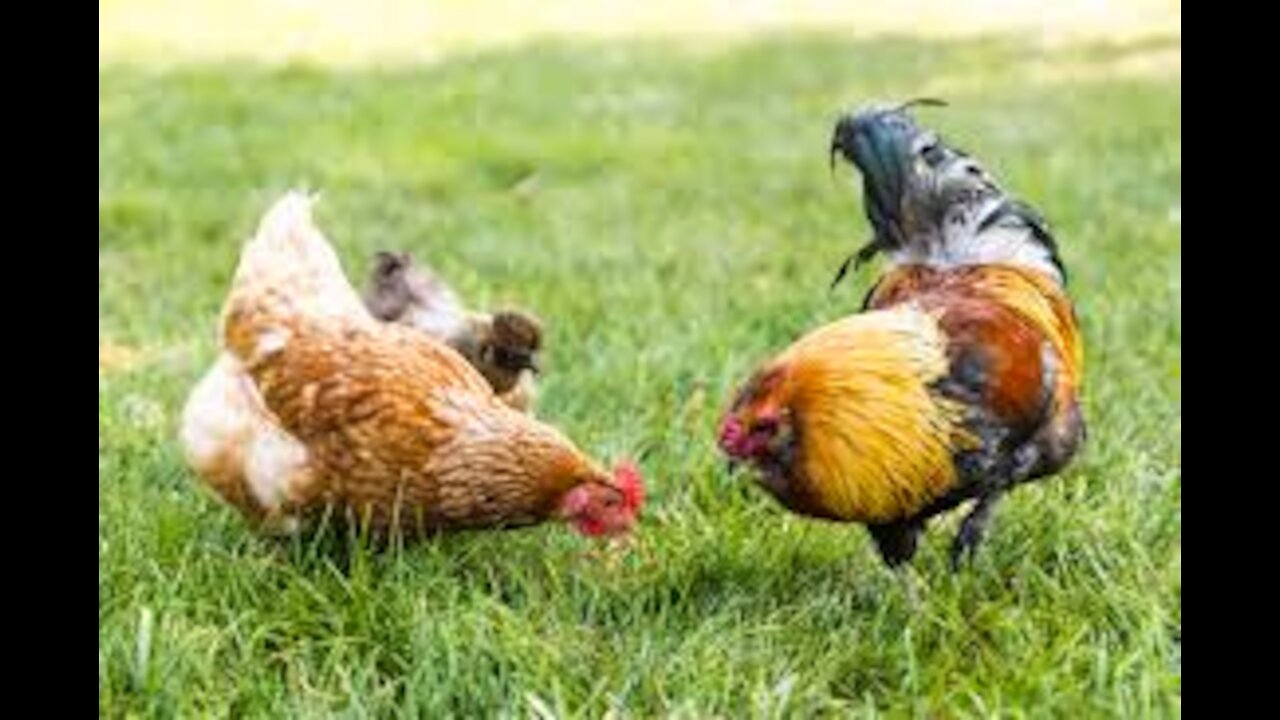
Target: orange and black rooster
(960,378)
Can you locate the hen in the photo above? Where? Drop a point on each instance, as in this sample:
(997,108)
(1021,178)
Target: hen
(315,404)
(958,381)
(503,346)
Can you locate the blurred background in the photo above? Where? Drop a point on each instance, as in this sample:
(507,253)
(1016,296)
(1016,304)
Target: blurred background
(334,32)
(650,178)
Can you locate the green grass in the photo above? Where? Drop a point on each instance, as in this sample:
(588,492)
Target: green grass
(675,222)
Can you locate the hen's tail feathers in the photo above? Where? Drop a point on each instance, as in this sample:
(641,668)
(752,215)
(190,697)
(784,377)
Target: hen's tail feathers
(289,265)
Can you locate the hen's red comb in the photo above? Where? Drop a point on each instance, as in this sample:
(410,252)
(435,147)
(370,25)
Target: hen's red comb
(627,477)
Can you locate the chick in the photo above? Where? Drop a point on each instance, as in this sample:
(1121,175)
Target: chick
(502,345)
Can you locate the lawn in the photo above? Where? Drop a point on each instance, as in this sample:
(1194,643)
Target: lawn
(665,205)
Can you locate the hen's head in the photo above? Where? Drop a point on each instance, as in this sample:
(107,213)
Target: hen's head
(758,425)
(605,506)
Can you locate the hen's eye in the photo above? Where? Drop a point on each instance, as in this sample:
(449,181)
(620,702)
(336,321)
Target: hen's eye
(765,425)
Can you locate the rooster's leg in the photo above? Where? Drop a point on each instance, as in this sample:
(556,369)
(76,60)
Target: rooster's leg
(896,541)
(973,528)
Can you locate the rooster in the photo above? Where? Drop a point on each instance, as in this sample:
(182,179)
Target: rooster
(960,378)
(503,345)
(315,404)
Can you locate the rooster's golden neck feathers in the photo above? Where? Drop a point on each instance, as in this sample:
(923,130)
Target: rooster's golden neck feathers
(866,436)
